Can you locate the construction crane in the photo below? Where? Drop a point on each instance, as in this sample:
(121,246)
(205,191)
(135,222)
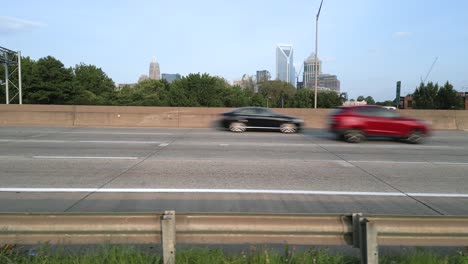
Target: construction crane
(429,72)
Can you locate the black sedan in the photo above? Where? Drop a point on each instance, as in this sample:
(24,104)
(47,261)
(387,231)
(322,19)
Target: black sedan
(261,118)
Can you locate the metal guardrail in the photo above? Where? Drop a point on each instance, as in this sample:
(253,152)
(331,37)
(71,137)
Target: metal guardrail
(360,231)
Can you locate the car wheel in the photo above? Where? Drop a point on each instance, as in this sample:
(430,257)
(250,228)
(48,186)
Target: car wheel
(353,136)
(415,137)
(288,128)
(237,127)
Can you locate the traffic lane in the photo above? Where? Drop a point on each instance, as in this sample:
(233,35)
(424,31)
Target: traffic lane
(19,202)
(447,205)
(310,151)
(250,203)
(55,179)
(420,178)
(247,174)
(60,173)
(35,147)
(229,203)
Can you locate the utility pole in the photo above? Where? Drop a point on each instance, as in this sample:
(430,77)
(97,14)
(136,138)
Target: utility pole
(316,56)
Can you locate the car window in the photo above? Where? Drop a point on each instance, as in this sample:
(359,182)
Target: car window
(382,112)
(365,111)
(378,112)
(247,111)
(264,112)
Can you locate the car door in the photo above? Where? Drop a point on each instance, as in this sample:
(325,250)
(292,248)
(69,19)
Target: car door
(382,122)
(250,117)
(268,119)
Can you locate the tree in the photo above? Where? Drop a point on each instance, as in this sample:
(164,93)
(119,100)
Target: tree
(386,103)
(370,100)
(278,93)
(361,98)
(201,90)
(91,85)
(51,82)
(236,96)
(425,96)
(328,99)
(304,98)
(448,98)
(248,82)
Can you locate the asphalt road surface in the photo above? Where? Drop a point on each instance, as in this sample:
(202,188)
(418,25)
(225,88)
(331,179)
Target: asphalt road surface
(206,170)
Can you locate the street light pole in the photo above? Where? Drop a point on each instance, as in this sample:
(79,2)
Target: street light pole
(316,56)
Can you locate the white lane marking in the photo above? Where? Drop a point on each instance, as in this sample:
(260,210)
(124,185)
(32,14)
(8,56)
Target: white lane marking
(389,161)
(164,144)
(450,163)
(343,163)
(447,195)
(116,142)
(224,145)
(84,157)
(34,141)
(411,162)
(384,146)
(150,190)
(242,191)
(119,133)
(81,141)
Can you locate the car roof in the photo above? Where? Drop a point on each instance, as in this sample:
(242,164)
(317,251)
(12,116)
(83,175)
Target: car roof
(363,106)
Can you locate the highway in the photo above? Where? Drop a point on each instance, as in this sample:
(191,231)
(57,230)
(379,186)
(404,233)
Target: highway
(63,169)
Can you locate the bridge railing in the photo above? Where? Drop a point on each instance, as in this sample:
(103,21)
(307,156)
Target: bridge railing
(365,232)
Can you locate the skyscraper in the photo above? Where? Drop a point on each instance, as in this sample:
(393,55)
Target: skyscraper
(263,76)
(169,77)
(284,63)
(154,72)
(309,71)
(324,81)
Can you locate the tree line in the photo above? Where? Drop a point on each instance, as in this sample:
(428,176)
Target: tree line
(48,81)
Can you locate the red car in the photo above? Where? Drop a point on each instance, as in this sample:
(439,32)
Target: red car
(355,123)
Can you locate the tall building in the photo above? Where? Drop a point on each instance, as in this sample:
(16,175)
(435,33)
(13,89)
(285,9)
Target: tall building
(309,71)
(327,82)
(285,63)
(154,72)
(263,76)
(169,77)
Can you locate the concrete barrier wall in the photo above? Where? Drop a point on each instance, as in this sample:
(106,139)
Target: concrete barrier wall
(182,117)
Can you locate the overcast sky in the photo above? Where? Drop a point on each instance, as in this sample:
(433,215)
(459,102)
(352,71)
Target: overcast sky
(368,44)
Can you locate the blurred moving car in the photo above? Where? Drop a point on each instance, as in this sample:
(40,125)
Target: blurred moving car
(355,123)
(241,119)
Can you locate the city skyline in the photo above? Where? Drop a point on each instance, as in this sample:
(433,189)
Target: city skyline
(371,48)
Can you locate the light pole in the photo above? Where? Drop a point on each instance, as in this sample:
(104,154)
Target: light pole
(316,57)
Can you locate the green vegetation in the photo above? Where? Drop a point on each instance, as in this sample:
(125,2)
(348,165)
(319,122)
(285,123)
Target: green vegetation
(431,96)
(48,81)
(131,255)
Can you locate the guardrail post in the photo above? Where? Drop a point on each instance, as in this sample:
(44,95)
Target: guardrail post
(168,236)
(356,230)
(368,240)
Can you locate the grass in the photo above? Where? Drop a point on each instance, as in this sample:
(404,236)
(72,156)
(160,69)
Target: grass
(132,255)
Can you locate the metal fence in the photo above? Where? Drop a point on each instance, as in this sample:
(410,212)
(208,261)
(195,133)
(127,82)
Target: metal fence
(365,232)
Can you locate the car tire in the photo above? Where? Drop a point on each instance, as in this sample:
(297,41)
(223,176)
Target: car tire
(288,128)
(237,127)
(415,137)
(353,136)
